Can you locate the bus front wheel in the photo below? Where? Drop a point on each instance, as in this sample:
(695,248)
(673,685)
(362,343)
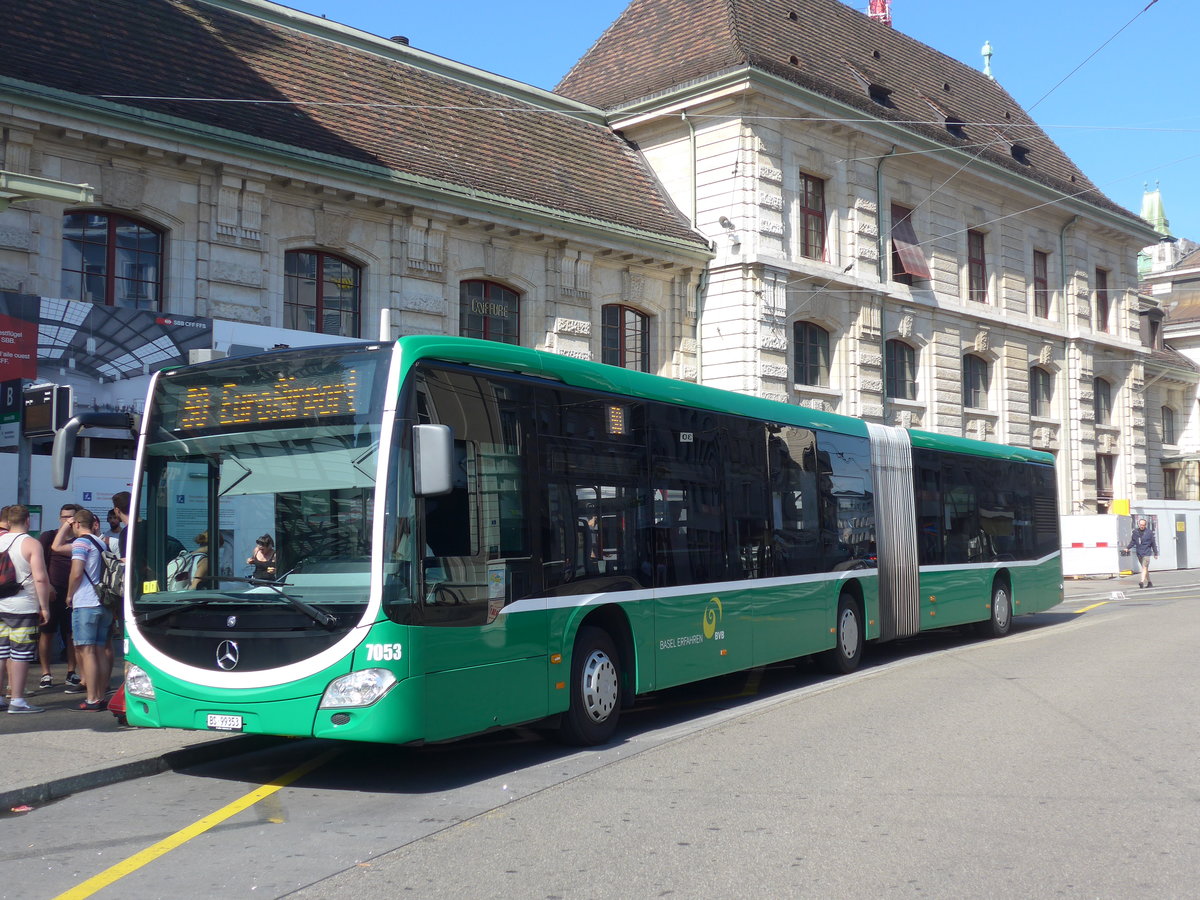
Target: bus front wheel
(1000,621)
(595,689)
(847,652)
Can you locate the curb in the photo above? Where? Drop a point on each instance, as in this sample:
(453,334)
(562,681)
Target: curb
(56,789)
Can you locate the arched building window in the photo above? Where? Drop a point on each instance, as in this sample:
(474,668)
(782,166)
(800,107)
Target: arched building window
(112,259)
(901,371)
(811,347)
(625,337)
(489,311)
(321,293)
(1041,391)
(976,380)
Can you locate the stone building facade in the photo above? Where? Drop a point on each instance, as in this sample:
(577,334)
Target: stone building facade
(896,239)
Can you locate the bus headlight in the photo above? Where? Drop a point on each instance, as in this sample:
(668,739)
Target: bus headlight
(358,688)
(138,683)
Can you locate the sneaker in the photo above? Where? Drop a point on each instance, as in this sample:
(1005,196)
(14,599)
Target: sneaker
(27,708)
(47,681)
(72,678)
(3,703)
(74,687)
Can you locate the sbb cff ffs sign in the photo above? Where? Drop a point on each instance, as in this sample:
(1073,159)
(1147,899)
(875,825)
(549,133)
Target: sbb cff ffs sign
(47,409)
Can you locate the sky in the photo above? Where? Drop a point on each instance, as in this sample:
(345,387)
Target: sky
(1111,81)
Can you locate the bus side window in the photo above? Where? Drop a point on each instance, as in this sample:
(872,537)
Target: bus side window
(686,473)
(929,513)
(745,487)
(795,522)
(477,555)
(961,511)
(592,473)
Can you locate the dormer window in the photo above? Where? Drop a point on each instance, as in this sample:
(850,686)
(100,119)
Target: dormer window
(880,94)
(955,125)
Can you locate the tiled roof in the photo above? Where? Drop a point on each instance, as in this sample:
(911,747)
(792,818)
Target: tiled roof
(1169,356)
(831,49)
(425,123)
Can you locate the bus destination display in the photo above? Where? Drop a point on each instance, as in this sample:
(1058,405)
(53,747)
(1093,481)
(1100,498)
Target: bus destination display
(290,399)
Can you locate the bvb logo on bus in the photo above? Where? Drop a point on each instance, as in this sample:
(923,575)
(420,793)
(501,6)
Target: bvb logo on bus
(712,617)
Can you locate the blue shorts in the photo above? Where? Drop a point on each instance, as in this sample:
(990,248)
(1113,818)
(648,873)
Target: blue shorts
(91,625)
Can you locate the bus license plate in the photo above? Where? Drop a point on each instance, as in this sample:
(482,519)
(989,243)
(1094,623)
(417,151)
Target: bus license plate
(224,723)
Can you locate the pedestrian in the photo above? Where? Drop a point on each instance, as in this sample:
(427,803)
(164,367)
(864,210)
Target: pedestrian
(1145,545)
(91,623)
(4,692)
(23,612)
(200,566)
(263,559)
(58,570)
(114,528)
(121,507)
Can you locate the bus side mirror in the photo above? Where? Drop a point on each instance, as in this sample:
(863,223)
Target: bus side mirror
(433,460)
(64,441)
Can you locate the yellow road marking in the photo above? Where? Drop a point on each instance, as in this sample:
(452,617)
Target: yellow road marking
(166,845)
(1093,606)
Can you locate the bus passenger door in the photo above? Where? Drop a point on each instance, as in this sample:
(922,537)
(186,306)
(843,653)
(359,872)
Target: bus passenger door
(483,668)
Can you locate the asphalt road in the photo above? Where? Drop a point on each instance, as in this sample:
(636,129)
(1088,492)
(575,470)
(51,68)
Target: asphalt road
(1057,762)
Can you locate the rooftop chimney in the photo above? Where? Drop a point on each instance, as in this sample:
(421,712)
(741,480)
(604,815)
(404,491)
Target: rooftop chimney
(880,11)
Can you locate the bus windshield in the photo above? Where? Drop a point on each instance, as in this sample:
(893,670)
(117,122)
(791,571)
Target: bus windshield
(258,488)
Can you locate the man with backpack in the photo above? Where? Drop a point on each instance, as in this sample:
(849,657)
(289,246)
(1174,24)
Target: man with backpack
(91,622)
(24,605)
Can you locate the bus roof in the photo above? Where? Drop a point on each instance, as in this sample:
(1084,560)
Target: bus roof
(616,380)
(613,379)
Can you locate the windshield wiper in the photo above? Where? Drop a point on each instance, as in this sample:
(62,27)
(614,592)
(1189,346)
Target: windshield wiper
(155,615)
(326,620)
(317,615)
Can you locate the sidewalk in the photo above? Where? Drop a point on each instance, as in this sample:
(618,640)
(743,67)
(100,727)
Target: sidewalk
(1101,587)
(64,750)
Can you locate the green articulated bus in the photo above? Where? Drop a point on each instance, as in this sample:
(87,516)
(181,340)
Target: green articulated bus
(470,535)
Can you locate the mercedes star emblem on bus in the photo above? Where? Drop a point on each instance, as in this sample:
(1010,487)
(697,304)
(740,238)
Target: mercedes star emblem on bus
(227,654)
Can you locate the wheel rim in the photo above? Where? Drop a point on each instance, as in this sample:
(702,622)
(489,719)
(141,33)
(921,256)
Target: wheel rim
(848,633)
(599,686)
(1001,608)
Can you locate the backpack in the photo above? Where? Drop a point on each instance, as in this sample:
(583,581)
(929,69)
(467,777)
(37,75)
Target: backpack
(180,569)
(111,588)
(9,582)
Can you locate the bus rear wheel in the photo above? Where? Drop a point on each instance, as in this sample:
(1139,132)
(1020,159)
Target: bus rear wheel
(1000,621)
(595,689)
(851,636)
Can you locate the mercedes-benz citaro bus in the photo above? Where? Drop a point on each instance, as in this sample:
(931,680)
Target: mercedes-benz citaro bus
(470,535)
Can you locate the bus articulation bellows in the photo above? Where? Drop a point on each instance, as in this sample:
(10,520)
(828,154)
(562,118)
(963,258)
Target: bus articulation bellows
(472,535)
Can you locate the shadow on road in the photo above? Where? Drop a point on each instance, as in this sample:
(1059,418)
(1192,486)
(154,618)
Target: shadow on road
(434,768)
